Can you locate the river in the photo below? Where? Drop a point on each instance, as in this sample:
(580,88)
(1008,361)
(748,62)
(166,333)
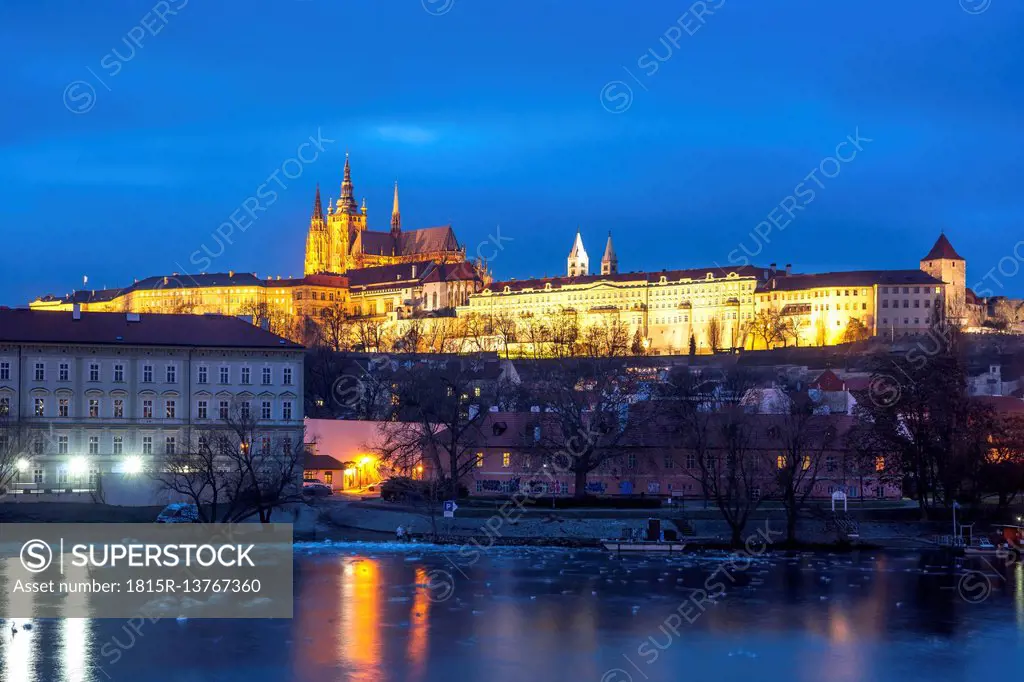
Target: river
(380,613)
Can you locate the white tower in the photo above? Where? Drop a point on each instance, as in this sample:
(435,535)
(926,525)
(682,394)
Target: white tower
(578,261)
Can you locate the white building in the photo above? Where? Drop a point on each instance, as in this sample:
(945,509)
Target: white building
(89,393)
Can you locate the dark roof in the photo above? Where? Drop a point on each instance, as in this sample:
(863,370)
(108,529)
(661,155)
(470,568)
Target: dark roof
(199,280)
(942,250)
(1001,403)
(218,331)
(857,278)
(409,242)
(449,272)
(324,462)
(387,274)
(427,240)
(627,277)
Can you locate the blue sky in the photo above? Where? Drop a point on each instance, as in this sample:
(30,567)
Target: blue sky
(119,159)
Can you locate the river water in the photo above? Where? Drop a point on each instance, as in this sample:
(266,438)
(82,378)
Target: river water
(378,613)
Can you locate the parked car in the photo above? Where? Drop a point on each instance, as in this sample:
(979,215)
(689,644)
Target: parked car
(307,481)
(316,489)
(179,512)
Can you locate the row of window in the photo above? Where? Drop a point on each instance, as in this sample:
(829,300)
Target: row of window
(906,303)
(169,445)
(170,373)
(170,408)
(907,290)
(669,462)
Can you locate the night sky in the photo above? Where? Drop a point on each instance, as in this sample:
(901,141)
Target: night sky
(680,133)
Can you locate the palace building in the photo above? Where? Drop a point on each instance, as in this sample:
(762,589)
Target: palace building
(718,308)
(350,269)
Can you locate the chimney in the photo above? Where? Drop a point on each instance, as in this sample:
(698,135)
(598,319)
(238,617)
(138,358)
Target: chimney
(76,311)
(789,268)
(772,268)
(231,273)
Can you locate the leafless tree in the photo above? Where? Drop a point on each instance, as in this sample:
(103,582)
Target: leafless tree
(371,335)
(586,415)
(564,333)
(505,329)
(437,418)
(767,326)
(855,331)
(236,468)
(15,437)
(714,332)
(799,436)
(335,327)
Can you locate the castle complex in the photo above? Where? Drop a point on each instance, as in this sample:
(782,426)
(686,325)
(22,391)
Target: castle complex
(349,270)
(714,308)
(394,276)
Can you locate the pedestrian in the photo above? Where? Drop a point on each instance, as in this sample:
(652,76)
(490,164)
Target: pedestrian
(400,533)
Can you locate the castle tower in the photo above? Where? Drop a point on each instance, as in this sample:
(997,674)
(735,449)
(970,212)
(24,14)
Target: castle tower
(943,262)
(396,216)
(578,261)
(318,241)
(609,262)
(343,224)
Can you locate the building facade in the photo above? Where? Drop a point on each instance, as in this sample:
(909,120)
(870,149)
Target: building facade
(719,308)
(85,394)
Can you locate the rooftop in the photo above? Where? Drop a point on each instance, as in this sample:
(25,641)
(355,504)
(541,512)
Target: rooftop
(193,331)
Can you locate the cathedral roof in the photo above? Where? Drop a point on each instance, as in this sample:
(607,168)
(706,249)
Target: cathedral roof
(408,242)
(942,250)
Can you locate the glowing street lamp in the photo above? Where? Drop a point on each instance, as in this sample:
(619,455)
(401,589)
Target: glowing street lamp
(78,465)
(133,465)
(21,465)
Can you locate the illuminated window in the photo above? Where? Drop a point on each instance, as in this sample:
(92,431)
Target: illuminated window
(807,462)
(506,459)
(147,409)
(118,408)
(63,407)
(780,462)
(94,407)
(879,463)
(40,407)
(171,408)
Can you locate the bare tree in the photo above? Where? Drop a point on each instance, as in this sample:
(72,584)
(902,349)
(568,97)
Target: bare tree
(799,436)
(714,332)
(587,416)
(15,437)
(713,430)
(505,329)
(564,333)
(236,468)
(370,334)
(767,326)
(335,327)
(855,331)
(437,418)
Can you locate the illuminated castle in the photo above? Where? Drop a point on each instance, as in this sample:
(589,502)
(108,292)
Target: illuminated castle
(340,241)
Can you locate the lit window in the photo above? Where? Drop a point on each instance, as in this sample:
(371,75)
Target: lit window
(480,460)
(780,462)
(172,407)
(506,459)
(879,463)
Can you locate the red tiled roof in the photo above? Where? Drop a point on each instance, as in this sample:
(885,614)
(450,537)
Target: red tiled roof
(196,331)
(828,381)
(747,271)
(942,250)
(855,278)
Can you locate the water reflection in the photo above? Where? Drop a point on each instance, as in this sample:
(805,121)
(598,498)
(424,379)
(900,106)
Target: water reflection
(531,614)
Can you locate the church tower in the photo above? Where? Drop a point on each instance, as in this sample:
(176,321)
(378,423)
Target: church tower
(396,216)
(943,262)
(343,224)
(318,241)
(578,261)
(609,262)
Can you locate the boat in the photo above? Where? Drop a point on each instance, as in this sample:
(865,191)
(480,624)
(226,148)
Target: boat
(643,547)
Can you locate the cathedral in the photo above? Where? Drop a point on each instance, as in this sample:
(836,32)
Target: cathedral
(340,241)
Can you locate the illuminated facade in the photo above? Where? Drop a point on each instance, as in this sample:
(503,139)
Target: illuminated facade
(722,308)
(349,269)
(98,393)
(340,241)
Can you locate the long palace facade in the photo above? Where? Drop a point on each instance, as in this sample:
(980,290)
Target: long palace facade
(396,276)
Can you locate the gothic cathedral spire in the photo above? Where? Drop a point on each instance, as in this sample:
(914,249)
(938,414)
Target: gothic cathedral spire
(318,243)
(347,203)
(318,211)
(396,215)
